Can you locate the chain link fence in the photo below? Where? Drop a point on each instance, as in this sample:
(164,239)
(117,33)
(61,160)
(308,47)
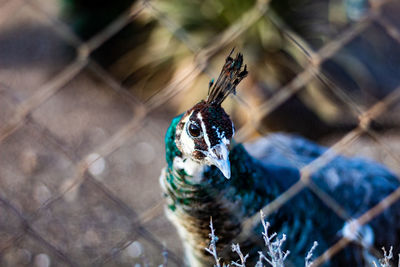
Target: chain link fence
(80,154)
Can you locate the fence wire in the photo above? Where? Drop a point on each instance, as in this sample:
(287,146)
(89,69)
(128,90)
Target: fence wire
(27,225)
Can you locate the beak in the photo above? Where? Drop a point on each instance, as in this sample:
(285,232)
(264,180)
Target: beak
(219,157)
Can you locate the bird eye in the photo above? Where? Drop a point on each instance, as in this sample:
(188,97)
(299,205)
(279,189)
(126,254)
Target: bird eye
(194,130)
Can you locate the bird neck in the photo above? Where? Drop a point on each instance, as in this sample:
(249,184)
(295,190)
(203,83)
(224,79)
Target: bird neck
(195,192)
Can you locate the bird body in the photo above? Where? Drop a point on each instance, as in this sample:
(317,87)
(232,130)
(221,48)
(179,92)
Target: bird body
(207,176)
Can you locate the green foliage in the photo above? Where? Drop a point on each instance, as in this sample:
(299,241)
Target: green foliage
(204,20)
(88,17)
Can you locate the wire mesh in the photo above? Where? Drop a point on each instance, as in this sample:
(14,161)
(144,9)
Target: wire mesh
(111,234)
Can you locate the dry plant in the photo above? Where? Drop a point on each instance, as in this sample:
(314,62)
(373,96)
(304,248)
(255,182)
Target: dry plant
(385,261)
(275,255)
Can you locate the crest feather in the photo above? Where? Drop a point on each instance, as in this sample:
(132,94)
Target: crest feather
(230,76)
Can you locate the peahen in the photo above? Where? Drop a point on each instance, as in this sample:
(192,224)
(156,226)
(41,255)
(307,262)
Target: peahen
(209,175)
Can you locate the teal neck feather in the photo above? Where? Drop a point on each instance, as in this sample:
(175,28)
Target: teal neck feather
(171,151)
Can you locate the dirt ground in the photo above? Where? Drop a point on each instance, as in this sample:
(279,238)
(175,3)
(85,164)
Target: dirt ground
(94,221)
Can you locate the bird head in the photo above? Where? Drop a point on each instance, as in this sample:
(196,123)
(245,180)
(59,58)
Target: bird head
(205,131)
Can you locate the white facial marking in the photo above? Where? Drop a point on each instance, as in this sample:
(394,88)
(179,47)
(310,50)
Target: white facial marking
(217,155)
(191,167)
(222,137)
(203,127)
(187,142)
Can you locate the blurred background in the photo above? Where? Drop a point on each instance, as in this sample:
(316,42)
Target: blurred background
(88,89)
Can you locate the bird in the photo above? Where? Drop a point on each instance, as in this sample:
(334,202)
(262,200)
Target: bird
(209,175)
